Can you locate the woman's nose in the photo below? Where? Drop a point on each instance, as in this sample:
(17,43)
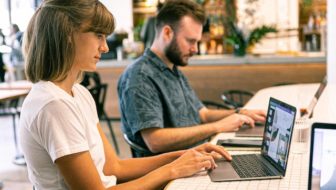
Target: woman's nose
(104,47)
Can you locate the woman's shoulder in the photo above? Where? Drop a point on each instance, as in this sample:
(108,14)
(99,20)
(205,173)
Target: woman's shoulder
(80,89)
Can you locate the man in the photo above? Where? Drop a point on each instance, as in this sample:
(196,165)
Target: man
(160,111)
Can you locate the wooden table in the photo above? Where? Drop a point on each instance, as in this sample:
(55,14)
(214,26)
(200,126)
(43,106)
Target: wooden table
(12,94)
(16,85)
(297,170)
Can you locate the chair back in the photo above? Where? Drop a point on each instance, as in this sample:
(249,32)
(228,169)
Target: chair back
(215,105)
(91,79)
(236,98)
(98,93)
(137,150)
(283,83)
(98,90)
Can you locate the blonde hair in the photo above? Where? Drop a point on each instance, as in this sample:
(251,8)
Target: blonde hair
(47,46)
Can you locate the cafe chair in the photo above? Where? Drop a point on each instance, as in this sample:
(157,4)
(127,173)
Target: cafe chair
(91,79)
(137,150)
(98,93)
(215,105)
(236,98)
(283,84)
(11,108)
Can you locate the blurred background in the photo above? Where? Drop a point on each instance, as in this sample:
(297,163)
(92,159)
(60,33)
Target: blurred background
(247,45)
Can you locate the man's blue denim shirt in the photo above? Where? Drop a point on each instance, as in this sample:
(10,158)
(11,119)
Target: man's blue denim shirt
(153,95)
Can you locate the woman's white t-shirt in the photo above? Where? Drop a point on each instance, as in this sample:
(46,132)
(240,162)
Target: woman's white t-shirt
(54,124)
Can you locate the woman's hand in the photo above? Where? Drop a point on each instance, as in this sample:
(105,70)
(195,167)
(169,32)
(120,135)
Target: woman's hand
(214,150)
(190,163)
(197,159)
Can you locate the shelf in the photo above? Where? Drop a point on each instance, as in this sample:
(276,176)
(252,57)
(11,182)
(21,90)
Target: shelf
(212,7)
(144,10)
(312,32)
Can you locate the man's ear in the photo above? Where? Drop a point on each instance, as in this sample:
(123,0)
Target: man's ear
(168,33)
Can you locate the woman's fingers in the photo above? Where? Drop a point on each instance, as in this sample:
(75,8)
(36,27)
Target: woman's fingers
(215,150)
(204,161)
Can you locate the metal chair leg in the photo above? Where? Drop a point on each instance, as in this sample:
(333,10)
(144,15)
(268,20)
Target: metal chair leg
(19,158)
(15,136)
(114,139)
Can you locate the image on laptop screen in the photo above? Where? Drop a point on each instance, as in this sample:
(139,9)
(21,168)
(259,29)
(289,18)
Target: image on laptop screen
(322,174)
(277,134)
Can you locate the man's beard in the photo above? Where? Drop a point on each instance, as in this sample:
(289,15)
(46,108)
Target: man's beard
(174,55)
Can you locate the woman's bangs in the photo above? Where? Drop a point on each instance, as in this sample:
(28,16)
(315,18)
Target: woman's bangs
(102,21)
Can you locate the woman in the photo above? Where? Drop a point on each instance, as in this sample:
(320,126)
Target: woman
(61,138)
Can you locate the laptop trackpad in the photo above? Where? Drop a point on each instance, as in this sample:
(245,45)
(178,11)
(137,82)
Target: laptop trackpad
(224,172)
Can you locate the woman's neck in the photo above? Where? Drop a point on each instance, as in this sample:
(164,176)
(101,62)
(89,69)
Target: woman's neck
(67,83)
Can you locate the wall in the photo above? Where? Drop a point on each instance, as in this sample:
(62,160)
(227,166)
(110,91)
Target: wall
(281,13)
(122,11)
(331,45)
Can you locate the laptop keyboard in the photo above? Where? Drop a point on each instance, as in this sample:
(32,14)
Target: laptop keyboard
(248,166)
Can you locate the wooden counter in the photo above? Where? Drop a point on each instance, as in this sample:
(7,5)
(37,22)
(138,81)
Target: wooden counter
(211,75)
(312,57)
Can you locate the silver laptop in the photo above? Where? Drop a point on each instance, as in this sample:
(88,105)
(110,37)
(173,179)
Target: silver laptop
(322,163)
(247,131)
(258,130)
(272,160)
(308,113)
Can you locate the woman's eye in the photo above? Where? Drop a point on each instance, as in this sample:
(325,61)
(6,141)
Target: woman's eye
(100,36)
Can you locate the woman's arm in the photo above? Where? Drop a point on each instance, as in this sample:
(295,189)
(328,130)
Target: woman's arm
(188,164)
(80,172)
(133,168)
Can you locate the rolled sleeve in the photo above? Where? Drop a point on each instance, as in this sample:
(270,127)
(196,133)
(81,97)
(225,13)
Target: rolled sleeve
(144,110)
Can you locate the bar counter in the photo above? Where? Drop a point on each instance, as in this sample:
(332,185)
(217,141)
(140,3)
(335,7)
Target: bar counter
(212,74)
(301,57)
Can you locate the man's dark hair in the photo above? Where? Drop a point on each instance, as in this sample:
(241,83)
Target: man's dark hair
(174,10)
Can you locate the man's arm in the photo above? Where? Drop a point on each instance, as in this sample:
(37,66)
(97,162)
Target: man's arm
(211,115)
(169,139)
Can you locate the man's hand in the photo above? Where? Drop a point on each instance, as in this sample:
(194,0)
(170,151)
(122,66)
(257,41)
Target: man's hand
(256,115)
(232,123)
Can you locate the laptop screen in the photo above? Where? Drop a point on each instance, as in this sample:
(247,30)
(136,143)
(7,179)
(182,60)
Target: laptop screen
(322,165)
(278,133)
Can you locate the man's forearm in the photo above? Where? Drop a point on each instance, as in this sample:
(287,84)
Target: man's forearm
(215,115)
(170,139)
